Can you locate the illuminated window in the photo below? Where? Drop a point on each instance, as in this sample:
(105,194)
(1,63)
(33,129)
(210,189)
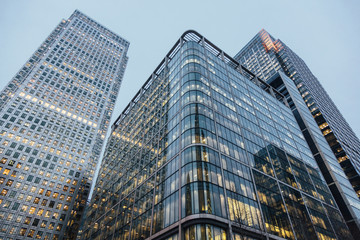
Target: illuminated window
(22,231)
(51,226)
(3,160)
(32,210)
(6,171)
(4,192)
(43,224)
(40,212)
(31,233)
(27,220)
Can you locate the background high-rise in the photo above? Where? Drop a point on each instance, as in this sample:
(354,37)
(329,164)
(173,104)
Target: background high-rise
(264,56)
(54,117)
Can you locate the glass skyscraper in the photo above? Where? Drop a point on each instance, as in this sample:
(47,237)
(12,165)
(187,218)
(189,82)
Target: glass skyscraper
(206,150)
(54,115)
(264,56)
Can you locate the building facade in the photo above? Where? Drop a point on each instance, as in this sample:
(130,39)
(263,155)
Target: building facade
(206,150)
(54,116)
(265,56)
(339,185)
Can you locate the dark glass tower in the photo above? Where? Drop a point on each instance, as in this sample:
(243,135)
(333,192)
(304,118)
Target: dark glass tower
(331,169)
(54,115)
(206,150)
(264,56)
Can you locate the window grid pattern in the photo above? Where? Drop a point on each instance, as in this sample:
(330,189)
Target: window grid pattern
(54,118)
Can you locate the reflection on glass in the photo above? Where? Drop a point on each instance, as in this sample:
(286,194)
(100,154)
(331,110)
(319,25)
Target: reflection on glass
(275,216)
(204,231)
(202,197)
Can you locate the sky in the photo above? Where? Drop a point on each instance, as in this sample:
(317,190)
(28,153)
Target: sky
(324,33)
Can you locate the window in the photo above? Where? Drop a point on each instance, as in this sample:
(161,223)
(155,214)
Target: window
(43,224)
(6,171)
(4,192)
(9,182)
(27,220)
(31,233)
(22,231)
(51,226)
(16,206)
(32,210)
(40,212)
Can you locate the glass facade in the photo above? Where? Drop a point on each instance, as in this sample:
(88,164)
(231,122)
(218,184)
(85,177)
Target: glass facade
(335,178)
(204,152)
(54,115)
(335,147)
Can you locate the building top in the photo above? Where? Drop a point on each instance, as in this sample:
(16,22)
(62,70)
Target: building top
(194,36)
(100,27)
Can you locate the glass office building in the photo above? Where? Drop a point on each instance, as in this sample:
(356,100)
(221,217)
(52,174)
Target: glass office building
(206,150)
(264,56)
(54,115)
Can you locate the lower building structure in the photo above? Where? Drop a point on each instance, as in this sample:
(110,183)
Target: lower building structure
(205,150)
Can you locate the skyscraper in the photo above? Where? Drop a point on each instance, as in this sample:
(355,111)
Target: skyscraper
(339,185)
(206,150)
(264,56)
(54,117)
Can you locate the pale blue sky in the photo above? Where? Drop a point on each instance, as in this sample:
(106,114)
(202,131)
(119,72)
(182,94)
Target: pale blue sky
(325,33)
